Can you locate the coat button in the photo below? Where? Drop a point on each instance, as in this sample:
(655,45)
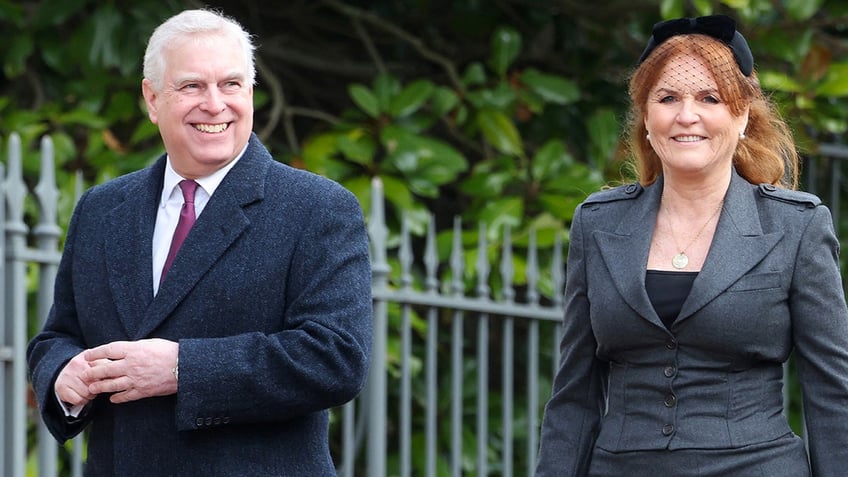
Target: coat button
(631,188)
(669,371)
(670,400)
(217,421)
(671,343)
(208,421)
(667,429)
(199,422)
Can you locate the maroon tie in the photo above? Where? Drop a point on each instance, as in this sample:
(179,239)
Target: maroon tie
(187,219)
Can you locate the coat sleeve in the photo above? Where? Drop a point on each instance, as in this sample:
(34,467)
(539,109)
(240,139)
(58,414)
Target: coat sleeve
(572,414)
(319,358)
(820,335)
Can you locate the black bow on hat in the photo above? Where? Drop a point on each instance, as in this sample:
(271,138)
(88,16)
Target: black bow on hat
(720,27)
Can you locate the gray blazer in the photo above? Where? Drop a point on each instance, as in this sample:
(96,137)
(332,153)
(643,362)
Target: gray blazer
(269,298)
(770,285)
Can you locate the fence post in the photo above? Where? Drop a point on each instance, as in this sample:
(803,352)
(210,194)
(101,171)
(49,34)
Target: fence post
(376,387)
(5,351)
(47,234)
(14,329)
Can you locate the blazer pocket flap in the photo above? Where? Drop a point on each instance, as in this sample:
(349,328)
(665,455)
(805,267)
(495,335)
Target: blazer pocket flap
(757,281)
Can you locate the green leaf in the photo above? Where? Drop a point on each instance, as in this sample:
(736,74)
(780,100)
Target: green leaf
(703,7)
(552,88)
(386,87)
(549,159)
(776,81)
(604,136)
(671,8)
(107,23)
(500,97)
(506,45)
(474,74)
(82,117)
(357,146)
(55,13)
(500,132)
(396,191)
(410,98)
(500,212)
(20,49)
(426,163)
(490,177)
(318,151)
(802,10)
(739,4)
(444,100)
(365,99)
(836,82)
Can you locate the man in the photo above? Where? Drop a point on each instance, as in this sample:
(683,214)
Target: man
(225,361)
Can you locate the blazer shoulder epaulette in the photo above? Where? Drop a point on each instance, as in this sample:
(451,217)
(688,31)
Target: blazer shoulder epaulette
(622,192)
(789,196)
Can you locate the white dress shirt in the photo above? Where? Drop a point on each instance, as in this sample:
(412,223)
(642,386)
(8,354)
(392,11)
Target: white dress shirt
(168,213)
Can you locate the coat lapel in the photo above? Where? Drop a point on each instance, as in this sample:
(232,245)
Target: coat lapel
(738,245)
(128,246)
(625,252)
(219,225)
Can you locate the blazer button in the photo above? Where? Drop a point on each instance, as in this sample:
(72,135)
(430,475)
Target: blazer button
(671,343)
(670,400)
(208,421)
(668,429)
(631,188)
(199,422)
(669,371)
(217,421)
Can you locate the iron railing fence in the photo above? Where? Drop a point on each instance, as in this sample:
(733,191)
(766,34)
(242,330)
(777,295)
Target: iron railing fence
(459,378)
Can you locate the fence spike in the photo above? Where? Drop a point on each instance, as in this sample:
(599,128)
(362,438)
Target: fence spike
(482,264)
(47,195)
(15,188)
(431,257)
(507,270)
(532,270)
(557,272)
(405,254)
(457,259)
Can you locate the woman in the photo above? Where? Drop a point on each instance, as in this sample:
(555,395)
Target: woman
(687,291)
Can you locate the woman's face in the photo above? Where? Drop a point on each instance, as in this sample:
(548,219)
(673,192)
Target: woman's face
(689,125)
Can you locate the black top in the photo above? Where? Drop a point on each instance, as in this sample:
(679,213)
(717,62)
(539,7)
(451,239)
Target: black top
(667,291)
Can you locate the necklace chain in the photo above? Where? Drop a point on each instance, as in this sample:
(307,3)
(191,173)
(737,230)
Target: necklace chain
(681,260)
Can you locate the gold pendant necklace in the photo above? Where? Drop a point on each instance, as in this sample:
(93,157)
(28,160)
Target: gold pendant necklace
(681,260)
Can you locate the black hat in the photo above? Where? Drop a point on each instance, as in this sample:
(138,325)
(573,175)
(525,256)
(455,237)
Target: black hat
(720,27)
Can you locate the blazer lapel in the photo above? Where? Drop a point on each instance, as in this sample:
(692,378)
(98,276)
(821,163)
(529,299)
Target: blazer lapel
(128,230)
(219,225)
(738,245)
(625,252)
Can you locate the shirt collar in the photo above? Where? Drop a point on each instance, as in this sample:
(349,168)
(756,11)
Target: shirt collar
(208,183)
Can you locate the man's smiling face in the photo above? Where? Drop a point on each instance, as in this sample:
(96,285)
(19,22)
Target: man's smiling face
(205,107)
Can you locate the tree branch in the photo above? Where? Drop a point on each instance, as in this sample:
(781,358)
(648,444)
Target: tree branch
(398,32)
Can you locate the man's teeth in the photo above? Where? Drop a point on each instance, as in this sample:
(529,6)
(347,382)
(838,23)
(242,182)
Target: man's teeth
(211,128)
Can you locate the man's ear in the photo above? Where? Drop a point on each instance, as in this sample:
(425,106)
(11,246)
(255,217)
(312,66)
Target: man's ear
(150,96)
